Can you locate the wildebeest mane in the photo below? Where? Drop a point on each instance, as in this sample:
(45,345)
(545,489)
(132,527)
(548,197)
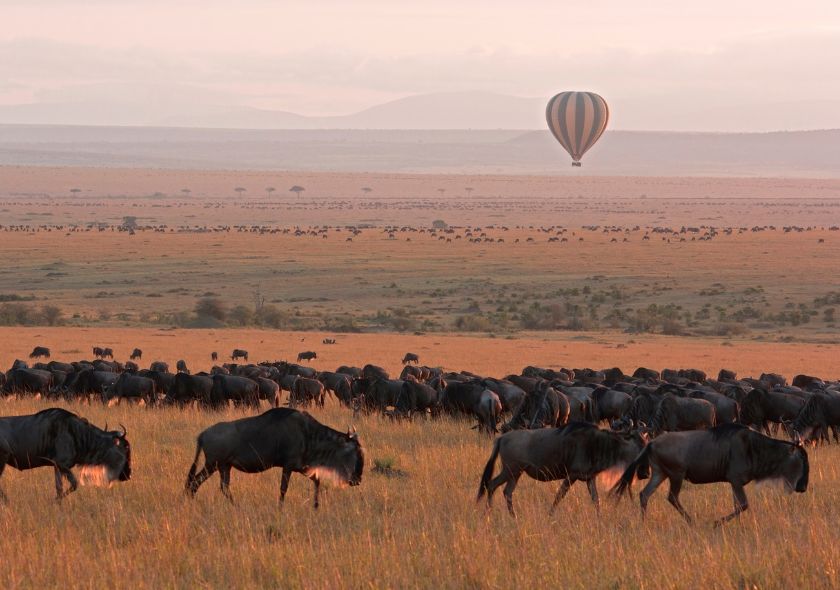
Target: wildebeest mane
(602,449)
(92,441)
(812,413)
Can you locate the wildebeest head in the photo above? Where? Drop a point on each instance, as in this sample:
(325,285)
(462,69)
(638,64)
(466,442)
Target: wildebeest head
(794,469)
(111,459)
(344,464)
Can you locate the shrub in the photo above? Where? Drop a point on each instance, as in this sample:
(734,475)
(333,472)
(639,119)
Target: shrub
(211,307)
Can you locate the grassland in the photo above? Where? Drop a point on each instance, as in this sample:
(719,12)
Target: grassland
(422,530)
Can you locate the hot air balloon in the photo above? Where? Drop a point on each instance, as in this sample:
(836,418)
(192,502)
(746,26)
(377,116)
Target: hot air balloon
(577,120)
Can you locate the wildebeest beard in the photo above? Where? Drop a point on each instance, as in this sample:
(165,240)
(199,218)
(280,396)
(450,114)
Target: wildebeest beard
(324,464)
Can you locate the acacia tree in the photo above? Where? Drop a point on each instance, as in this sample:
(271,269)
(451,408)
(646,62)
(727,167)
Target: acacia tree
(297,190)
(269,190)
(239,190)
(367,190)
(186,192)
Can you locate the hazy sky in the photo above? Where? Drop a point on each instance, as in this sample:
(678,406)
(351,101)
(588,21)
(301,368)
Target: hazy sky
(661,64)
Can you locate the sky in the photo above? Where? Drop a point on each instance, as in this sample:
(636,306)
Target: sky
(713,65)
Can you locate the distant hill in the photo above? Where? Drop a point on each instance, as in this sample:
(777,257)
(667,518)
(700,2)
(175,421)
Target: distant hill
(644,153)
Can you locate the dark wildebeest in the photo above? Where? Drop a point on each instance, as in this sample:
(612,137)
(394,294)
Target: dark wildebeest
(577,451)
(681,413)
(333,381)
(281,437)
(609,404)
(761,407)
(39,351)
(726,408)
(374,372)
(188,388)
(820,412)
(353,372)
(159,366)
(807,382)
(108,353)
(410,357)
(646,374)
(729,453)
(545,407)
(98,352)
(89,381)
(269,390)
(28,381)
(181,367)
(237,354)
(511,395)
(727,375)
(487,411)
(380,394)
(131,387)
(305,391)
(131,366)
(416,397)
(136,354)
(60,439)
(214,356)
(306,356)
(461,397)
(243,391)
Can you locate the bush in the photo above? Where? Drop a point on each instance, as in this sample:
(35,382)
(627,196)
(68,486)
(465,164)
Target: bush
(211,307)
(241,316)
(473,323)
(272,316)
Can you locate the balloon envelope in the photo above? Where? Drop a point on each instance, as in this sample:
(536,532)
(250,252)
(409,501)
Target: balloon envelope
(577,120)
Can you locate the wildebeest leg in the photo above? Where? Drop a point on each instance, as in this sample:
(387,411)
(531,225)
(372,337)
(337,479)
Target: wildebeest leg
(284,483)
(511,485)
(224,476)
(593,493)
(656,480)
(3,497)
(741,504)
(201,477)
(674,497)
(317,483)
(59,484)
(561,493)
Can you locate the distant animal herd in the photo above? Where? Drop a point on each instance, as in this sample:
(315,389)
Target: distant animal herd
(556,424)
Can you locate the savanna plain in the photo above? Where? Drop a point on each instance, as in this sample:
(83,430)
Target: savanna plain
(575,272)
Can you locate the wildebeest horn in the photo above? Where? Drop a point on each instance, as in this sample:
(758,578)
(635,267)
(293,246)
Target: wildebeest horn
(106,427)
(124,431)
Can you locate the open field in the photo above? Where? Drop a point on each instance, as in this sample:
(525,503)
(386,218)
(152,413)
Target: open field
(423,529)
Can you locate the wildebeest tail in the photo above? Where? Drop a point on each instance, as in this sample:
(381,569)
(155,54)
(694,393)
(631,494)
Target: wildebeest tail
(488,469)
(640,466)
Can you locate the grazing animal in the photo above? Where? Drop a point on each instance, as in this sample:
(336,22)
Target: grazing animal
(729,453)
(410,357)
(131,387)
(98,352)
(577,451)
(214,356)
(108,353)
(238,354)
(159,366)
(136,354)
(306,356)
(181,367)
(39,351)
(281,437)
(305,391)
(60,439)
(28,381)
(242,390)
(487,410)
(679,413)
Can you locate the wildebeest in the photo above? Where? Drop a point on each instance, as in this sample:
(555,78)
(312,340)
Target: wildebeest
(761,407)
(159,366)
(306,356)
(820,412)
(728,453)
(188,388)
(243,391)
(39,351)
(281,437)
(410,357)
(374,372)
(28,381)
(89,381)
(351,371)
(545,407)
(238,354)
(181,367)
(128,386)
(214,356)
(60,439)
(107,353)
(609,404)
(416,397)
(679,413)
(305,391)
(577,451)
(136,354)
(487,411)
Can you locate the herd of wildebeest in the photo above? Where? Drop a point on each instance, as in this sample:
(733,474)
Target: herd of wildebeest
(565,424)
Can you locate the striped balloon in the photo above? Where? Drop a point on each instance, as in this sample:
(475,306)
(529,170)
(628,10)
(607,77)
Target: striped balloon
(577,120)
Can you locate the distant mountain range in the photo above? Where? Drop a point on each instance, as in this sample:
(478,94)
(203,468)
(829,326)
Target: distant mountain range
(455,110)
(642,153)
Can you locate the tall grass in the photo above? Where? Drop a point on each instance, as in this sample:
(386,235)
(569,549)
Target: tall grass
(423,530)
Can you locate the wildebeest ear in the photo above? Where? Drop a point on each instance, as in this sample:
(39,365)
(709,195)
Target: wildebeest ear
(117,440)
(797,439)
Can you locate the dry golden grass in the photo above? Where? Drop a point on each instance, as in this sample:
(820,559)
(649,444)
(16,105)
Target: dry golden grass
(424,530)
